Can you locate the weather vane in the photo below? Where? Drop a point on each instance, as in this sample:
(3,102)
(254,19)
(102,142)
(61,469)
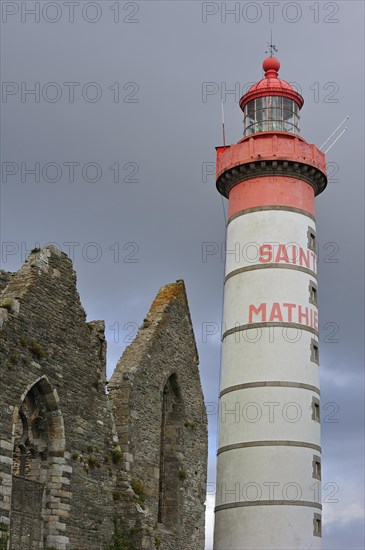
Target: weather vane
(271,46)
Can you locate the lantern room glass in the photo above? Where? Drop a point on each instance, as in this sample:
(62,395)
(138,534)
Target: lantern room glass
(270,114)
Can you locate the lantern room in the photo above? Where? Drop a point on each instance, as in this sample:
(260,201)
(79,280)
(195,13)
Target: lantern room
(271,105)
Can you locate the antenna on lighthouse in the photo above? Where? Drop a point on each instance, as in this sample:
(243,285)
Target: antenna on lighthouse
(333,133)
(337,138)
(223,129)
(271,46)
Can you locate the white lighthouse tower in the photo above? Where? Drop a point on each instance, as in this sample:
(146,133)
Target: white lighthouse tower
(269,453)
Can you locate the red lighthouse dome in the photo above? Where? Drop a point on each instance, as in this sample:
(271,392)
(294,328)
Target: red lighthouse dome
(271,104)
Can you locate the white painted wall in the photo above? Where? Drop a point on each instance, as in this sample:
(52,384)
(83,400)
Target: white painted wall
(245,235)
(263,286)
(260,528)
(264,354)
(258,473)
(268,413)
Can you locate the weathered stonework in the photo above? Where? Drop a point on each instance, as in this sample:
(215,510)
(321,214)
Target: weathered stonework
(82,468)
(162,422)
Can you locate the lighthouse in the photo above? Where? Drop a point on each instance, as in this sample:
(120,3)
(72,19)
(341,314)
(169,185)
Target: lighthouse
(268,491)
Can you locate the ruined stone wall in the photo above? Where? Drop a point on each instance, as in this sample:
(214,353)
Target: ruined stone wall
(81,469)
(4,279)
(166,462)
(44,336)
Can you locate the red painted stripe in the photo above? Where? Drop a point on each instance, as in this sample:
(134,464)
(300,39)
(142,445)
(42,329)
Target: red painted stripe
(271,191)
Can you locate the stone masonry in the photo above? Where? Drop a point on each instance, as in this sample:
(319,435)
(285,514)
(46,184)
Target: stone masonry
(87,465)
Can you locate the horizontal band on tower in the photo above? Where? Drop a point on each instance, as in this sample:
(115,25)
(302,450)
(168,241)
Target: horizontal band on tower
(231,505)
(249,326)
(270,266)
(270,384)
(269,443)
(268,208)
(292,169)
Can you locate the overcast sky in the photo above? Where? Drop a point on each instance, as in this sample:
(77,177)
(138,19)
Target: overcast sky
(123,126)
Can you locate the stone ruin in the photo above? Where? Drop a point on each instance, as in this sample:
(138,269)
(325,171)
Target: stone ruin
(86,464)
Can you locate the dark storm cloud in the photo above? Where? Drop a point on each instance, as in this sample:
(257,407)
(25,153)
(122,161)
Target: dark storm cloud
(135,200)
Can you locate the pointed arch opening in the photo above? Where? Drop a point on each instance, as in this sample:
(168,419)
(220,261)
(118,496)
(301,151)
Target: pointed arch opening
(38,458)
(171,447)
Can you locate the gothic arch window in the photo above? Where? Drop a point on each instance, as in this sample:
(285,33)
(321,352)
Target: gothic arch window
(172,424)
(31,433)
(38,453)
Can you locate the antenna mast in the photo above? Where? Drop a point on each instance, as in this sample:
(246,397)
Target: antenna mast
(337,138)
(333,133)
(223,129)
(272,48)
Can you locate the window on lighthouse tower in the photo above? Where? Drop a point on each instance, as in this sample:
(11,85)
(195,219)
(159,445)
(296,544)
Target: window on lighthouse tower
(271,114)
(317,525)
